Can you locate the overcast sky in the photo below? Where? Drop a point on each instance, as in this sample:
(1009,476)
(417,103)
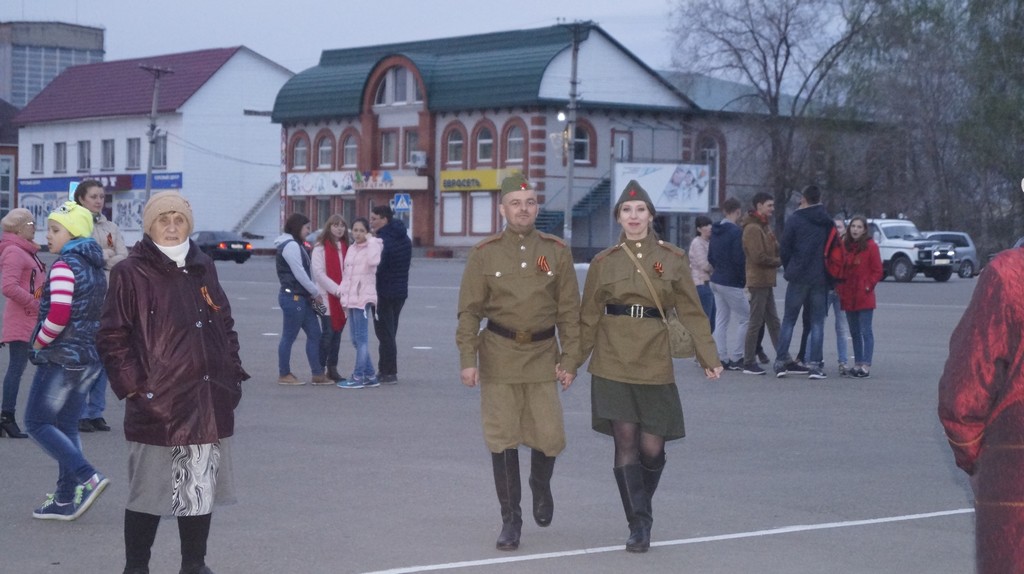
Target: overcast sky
(294,32)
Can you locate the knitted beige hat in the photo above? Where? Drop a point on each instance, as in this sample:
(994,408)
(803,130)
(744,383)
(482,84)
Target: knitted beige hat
(17,217)
(165,202)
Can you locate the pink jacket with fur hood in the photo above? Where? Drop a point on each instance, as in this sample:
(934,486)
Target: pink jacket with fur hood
(17,262)
(359,280)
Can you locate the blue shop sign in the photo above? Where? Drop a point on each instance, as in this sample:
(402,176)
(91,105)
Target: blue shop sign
(110,182)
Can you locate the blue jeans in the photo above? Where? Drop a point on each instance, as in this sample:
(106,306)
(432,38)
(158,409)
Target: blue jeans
(15,368)
(813,299)
(51,418)
(298,314)
(330,342)
(841,332)
(707,302)
(863,336)
(96,398)
(359,322)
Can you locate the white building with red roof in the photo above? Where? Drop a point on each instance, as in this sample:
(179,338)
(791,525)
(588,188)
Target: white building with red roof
(215,142)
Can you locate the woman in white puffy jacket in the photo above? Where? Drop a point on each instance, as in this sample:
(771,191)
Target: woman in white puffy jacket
(358,295)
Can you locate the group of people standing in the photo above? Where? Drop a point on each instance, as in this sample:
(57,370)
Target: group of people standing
(537,332)
(737,260)
(343,281)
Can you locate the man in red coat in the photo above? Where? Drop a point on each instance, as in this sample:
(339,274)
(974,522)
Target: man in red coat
(981,405)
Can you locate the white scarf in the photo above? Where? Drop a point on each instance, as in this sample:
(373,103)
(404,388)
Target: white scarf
(176,253)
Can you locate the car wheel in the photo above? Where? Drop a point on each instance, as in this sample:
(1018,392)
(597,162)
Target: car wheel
(902,270)
(241,260)
(966,270)
(942,275)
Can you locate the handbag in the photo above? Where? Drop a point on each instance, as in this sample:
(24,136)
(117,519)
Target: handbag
(680,342)
(319,307)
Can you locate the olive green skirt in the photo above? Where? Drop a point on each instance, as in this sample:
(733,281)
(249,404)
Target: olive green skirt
(656,408)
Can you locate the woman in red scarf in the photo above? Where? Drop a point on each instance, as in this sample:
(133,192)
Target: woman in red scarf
(328,261)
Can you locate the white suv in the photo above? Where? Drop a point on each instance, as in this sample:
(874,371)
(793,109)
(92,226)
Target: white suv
(906,252)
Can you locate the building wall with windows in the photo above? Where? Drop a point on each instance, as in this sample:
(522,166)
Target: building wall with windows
(34,53)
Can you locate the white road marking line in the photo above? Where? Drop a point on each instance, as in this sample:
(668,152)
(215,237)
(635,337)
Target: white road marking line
(716,538)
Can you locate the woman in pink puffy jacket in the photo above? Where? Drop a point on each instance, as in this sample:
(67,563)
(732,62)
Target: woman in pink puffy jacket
(358,295)
(22,274)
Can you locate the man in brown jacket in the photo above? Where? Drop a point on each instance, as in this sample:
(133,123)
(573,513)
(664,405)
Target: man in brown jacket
(762,252)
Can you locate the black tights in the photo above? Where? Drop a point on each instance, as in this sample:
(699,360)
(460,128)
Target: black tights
(140,532)
(633,445)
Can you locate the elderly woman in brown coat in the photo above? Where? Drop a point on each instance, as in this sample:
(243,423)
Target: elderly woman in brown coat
(168,342)
(633,391)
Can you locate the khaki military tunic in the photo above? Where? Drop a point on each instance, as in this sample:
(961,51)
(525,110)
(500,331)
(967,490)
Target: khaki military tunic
(635,350)
(526,283)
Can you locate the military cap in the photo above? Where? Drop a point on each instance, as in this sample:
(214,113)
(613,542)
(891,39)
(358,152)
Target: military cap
(634,192)
(514,182)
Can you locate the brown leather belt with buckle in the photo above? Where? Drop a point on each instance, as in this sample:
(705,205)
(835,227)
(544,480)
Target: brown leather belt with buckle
(521,337)
(635,311)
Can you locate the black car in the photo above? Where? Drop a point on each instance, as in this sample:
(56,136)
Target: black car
(223,245)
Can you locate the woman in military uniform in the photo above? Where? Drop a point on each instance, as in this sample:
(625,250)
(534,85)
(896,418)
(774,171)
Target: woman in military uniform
(633,393)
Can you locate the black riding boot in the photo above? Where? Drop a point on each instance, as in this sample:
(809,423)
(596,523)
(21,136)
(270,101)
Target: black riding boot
(637,504)
(507,484)
(139,533)
(541,469)
(652,476)
(194,532)
(10,426)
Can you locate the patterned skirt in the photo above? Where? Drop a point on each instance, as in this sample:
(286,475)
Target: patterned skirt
(179,480)
(656,408)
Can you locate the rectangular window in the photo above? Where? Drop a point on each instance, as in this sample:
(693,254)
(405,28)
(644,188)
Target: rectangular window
(401,86)
(6,184)
(107,150)
(84,155)
(37,158)
(160,152)
(451,214)
(484,146)
(134,159)
(389,148)
(515,145)
(350,152)
(60,157)
(581,146)
(482,213)
(324,154)
(412,143)
(623,146)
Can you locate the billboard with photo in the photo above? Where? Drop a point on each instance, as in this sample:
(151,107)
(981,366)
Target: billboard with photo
(673,187)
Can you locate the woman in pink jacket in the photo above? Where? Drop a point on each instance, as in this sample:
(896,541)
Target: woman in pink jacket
(22,274)
(862,270)
(358,295)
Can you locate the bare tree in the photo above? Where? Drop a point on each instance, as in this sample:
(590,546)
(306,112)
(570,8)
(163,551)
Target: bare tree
(785,49)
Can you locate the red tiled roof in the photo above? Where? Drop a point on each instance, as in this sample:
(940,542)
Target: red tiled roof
(122,88)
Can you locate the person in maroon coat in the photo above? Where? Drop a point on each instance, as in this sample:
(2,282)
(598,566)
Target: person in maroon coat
(862,270)
(981,406)
(168,343)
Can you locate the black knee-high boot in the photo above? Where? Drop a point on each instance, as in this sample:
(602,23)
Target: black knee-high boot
(139,533)
(541,469)
(507,484)
(652,476)
(637,505)
(193,532)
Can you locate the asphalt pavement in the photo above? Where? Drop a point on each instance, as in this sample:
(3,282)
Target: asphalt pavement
(775,476)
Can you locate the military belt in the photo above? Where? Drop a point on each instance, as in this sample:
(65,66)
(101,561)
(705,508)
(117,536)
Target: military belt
(635,311)
(521,337)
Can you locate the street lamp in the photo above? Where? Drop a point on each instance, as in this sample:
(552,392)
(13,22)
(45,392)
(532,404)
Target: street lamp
(157,72)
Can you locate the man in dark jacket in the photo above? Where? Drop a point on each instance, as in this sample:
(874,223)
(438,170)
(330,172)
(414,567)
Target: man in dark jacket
(725,254)
(392,288)
(803,257)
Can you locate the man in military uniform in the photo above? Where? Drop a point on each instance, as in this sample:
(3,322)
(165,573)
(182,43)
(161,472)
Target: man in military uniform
(523,283)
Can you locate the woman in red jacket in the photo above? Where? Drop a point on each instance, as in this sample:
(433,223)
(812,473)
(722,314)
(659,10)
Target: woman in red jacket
(862,270)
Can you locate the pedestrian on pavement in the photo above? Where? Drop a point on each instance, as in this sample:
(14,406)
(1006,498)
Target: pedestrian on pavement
(358,295)
(842,327)
(634,398)
(523,283)
(168,341)
(22,274)
(91,195)
(728,280)
(862,270)
(761,251)
(392,288)
(981,406)
(328,260)
(802,251)
(67,364)
(297,297)
(700,269)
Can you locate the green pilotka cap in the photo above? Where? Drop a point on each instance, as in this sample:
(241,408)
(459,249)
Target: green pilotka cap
(634,192)
(514,182)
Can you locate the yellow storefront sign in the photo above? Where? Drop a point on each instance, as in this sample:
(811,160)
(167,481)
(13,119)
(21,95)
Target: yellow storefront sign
(474,179)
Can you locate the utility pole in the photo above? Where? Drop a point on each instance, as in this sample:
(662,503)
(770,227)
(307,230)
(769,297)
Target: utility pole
(570,134)
(157,72)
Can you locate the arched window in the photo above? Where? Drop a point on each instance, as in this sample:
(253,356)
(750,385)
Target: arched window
(515,145)
(583,144)
(350,152)
(456,146)
(300,153)
(484,146)
(324,153)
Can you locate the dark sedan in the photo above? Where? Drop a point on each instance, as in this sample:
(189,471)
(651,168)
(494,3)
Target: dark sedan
(223,245)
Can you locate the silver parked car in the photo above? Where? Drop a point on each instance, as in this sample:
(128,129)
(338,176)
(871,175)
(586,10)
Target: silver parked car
(966,260)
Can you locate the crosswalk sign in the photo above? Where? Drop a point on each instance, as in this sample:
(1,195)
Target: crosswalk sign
(403,203)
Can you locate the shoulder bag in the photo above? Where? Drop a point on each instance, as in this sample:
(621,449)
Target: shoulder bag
(680,343)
